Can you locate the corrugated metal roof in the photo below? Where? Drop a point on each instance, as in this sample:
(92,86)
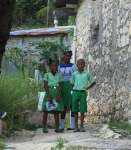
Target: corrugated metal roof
(41,31)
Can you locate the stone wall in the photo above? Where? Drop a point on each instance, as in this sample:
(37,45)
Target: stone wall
(29,45)
(30,50)
(103,40)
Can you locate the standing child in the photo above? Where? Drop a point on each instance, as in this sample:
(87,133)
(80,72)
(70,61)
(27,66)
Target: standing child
(66,69)
(53,88)
(81,80)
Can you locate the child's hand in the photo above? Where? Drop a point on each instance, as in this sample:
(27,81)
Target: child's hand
(91,85)
(49,98)
(58,98)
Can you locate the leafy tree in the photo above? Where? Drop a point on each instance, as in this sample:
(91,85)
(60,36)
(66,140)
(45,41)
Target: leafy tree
(46,11)
(6,11)
(52,50)
(26,10)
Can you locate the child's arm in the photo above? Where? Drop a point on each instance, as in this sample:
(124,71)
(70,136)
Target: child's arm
(47,89)
(91,85)
(91,81)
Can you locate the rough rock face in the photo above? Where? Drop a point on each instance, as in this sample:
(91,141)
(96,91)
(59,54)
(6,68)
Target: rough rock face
(103,40)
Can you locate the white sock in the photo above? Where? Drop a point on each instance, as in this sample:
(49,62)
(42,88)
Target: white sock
(62,123)
(72,122)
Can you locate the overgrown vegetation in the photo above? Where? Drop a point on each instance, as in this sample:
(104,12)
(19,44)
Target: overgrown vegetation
(119,124)
(2,144)
(40,13)
(47,12)
(26,10)
(71,20)
(15,56)
(59,144)
(17,95)
(52,50)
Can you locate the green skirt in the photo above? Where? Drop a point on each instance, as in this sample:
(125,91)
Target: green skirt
(67,97)
(54,92)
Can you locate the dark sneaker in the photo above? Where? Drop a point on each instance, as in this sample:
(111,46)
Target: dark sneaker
(76,130)
(70,128)
(59,130)
(82,129)
(62,129)
(45,130)
(3,114)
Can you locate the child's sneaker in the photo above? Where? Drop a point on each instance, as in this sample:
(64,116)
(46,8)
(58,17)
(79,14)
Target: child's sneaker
(70,128)
(59,130)
(45,130)
(76,130)
(82,129)
(62,130)
(3,115)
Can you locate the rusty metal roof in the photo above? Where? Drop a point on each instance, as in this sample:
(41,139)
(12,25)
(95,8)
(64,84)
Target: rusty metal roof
(41,31)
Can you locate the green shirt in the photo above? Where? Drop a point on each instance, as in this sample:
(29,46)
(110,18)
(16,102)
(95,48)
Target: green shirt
(81,80)
(53,80)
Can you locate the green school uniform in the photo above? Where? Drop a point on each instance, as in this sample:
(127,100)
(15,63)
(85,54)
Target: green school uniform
(53,83)
(80,83)
(66,71)
(67,98)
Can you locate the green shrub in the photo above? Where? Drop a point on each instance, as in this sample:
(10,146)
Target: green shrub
(119,124)
(59,144)
(71,20)
(52,50)
(2,144)
(17,94)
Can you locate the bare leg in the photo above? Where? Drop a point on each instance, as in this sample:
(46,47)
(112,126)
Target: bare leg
(82,129)
(82,119)
(45,115)
(76,122)
(57,129)
(56,117)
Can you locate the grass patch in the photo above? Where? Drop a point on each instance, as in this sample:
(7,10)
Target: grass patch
(17,94)
(120,125)
(2,144)
(60,145)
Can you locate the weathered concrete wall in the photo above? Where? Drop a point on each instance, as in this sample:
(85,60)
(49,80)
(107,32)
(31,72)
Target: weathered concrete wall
(103,40)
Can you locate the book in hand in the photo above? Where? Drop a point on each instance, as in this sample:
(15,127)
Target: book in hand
(51,105)
(91,85)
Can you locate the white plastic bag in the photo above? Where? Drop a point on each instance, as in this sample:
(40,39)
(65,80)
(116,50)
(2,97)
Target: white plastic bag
(41,96)
(51,105)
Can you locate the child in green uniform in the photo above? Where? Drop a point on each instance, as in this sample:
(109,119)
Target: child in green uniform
(66,69)
(53,88)
(81,80)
